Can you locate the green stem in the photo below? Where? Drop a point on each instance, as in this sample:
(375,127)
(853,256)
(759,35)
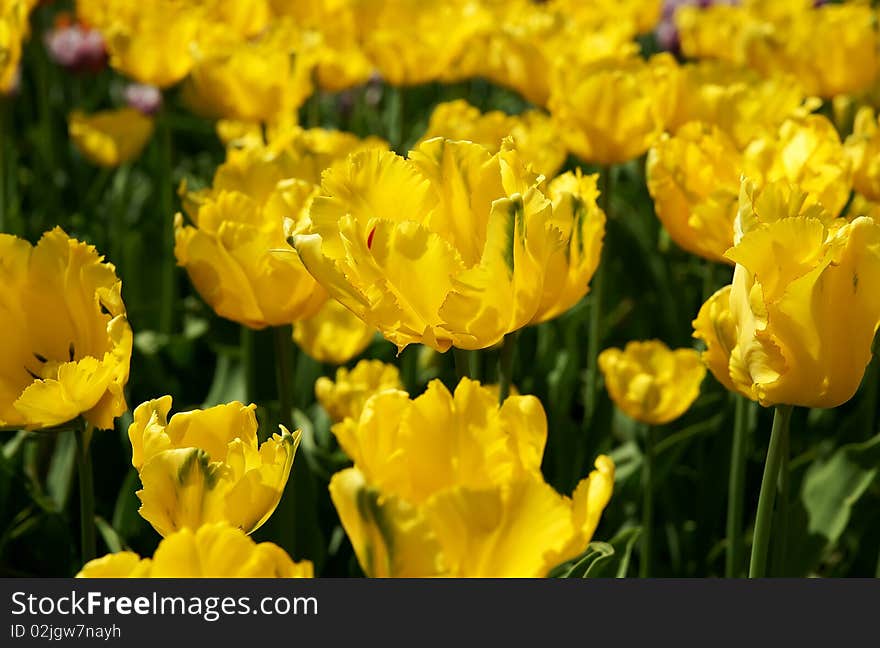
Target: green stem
(736,488)
(395,119)
(780,521)
(248,363)
(463,364)
(166,207)
(283,374)
(646,563)
(505,365)
(764,516)
(86,493)
(595,324)
(117,217)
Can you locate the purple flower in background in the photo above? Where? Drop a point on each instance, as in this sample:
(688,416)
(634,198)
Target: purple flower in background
(75,46)
(145,98)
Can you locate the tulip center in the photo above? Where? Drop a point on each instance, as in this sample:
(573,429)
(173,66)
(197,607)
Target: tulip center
(44,367)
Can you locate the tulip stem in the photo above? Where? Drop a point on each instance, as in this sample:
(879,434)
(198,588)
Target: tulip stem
(780,521)
(283,374)
(166,207)
(86,493)
(395,118)
(505,365)
(596,287)
(463,364)
(645,565)
(248,365)
(764,516)
(736,488)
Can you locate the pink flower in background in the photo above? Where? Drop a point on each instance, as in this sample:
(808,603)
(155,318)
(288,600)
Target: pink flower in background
(75,46)
(145,98)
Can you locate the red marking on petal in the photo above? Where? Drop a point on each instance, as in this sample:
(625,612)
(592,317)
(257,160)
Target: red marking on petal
(370,238)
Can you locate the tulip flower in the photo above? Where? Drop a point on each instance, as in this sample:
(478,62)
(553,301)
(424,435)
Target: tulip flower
(14,28)
(229,251)
(645,14)
(863,149)
(533,132)
(67,343)
(149,41)
(515,42)
(737,100)
(206,466)
(693,177)
(650,382)
(795,327)
(450,485)
(110,137)
(327,35)
(212,551)
(346,396)
(818,46)
(333,334)
(612,110)
(75,46)
(453,246)
(261,79)
(443,29)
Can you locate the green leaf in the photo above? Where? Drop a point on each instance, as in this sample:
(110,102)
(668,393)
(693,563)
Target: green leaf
(126,520)
(832,486)
(617,564)
(61,469)
(596,553)
(229,381)
(108,533)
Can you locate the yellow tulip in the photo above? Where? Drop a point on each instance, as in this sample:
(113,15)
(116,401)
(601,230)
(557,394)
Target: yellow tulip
(815,44)
(345,397)
(862,206)
(110,137)
(514,43)
(818,46)
(453,246)
(533,132)
(611,111)
(66,340)
(205,466)
(714,32)
(327,35)
(806,152)
(650,382)
(261,79)
(863,148)
(645,14)
(212,551)
(245,18)
(736,100)
(693,178)
(439,31)
(796,324)
(450,485)
(149,41)
(233,251)
(14,28)
(333,334)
